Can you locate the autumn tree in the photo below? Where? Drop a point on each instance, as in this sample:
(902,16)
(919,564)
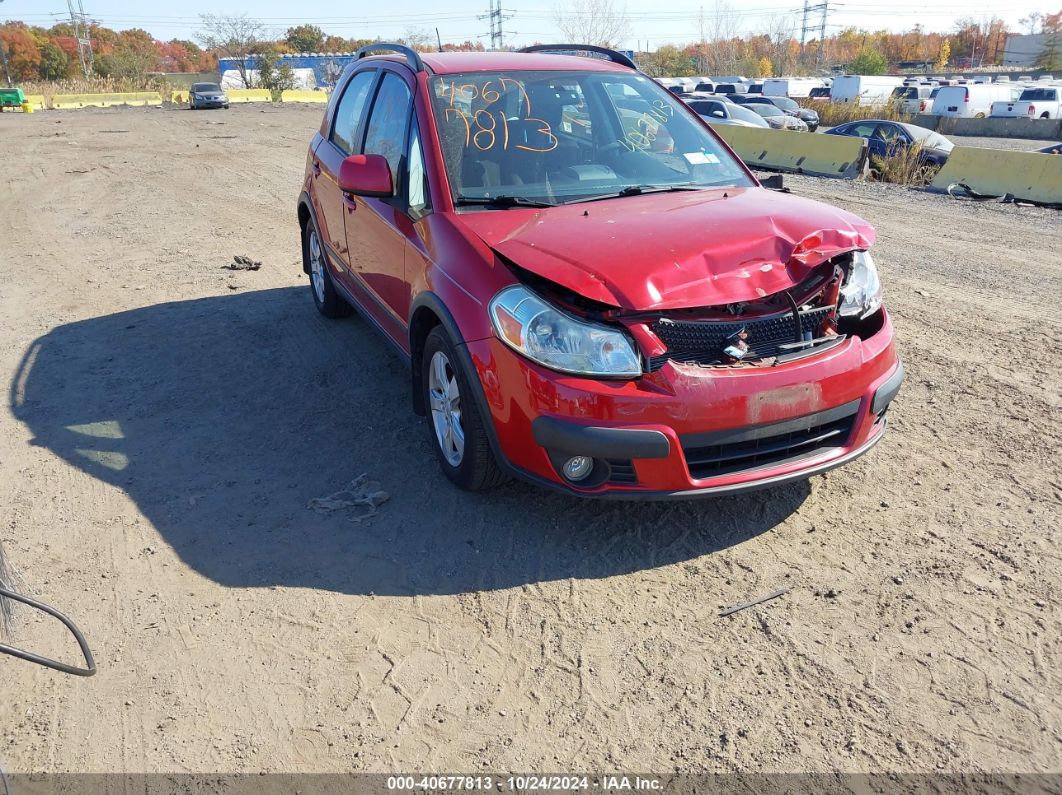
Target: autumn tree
(23,53)
(599,22)
(236,37)
(54,62)
(305,38)
(945,54)
(1050,56)
(869,62)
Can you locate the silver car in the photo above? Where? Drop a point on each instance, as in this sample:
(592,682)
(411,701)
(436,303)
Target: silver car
(717,111)
(206,95)
(778,119)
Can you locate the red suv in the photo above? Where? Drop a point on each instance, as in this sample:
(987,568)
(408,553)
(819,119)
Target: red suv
(593,292)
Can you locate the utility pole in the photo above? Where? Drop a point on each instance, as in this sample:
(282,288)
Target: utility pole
(81,32)
(496,17)
(804,26)
(822,34)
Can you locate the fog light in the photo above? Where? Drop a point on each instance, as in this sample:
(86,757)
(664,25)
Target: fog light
(577,467)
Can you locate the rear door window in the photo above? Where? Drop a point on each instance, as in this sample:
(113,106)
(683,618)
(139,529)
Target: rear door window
(388,122)
(346,128)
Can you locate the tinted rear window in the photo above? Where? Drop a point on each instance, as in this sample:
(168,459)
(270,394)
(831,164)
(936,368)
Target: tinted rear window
(1039,95)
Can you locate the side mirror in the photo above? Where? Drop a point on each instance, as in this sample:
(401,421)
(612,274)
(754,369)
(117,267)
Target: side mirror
(366,175)
(773,182)
(719,114)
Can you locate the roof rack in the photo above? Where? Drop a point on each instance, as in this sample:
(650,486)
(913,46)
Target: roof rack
(412,58)
(612,55)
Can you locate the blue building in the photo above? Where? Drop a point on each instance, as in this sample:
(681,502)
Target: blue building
(326,66)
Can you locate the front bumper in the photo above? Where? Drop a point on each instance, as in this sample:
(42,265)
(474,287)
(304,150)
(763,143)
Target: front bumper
(688,431)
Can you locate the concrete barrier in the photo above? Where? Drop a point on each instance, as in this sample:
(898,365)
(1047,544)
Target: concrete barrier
(1033,129)
(249,95)
(36,101)
(996,172)
(304,96)
(796,152)
(64,101)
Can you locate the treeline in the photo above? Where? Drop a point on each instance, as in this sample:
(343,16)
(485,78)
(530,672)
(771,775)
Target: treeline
(36,53)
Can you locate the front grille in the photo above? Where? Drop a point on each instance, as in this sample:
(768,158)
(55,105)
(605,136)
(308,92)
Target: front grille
(702,341)
(716,453)
(621,471)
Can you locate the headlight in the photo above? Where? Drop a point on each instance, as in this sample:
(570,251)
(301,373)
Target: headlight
(861,292)
(530,326)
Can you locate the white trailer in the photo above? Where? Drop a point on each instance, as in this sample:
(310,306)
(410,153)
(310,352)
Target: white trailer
(792,87)
(863,89)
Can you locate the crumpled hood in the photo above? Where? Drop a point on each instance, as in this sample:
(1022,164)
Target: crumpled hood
(674,250)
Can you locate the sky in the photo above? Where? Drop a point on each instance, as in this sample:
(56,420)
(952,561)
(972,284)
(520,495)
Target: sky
(660,22)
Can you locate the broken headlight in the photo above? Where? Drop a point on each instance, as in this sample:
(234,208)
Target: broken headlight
(861,291)
(530,326)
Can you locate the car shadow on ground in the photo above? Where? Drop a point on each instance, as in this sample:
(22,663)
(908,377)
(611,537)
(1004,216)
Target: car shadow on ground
(222,418)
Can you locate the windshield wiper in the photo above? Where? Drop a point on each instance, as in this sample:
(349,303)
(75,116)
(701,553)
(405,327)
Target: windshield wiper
(500,201)
(637,190)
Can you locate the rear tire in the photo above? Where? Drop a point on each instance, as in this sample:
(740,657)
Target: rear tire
(457,431)
(325,297)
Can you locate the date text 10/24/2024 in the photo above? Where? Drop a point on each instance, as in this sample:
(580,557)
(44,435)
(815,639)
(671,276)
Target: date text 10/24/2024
(524,783)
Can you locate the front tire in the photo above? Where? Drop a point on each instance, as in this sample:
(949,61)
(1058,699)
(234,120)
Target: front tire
(457,430)
(328,302)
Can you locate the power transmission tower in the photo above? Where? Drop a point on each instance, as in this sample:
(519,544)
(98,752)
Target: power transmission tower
(804,26)
(496,17)
(822,34)
(81,32)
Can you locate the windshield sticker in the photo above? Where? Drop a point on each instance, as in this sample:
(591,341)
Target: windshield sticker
(700,158)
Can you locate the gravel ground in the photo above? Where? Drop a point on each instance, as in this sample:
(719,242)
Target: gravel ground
(171,423)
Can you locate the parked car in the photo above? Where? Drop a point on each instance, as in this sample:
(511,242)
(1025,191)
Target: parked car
(719,111)
(1053,149)
(777,118)
(809,116)
(888,137)
(913,99)
(207,95)
(707,88)
(624,312)
(731,88)
(1042,102)
(973,100)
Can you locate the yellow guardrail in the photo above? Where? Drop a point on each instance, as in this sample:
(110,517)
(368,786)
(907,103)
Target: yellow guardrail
(798,152)
(249,95)
(304,96)
(1031,176)
(106,100)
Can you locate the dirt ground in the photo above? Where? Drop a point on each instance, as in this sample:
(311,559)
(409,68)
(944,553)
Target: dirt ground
(170,422)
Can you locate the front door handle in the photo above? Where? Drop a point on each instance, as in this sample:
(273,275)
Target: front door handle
(316,168)
(348,200)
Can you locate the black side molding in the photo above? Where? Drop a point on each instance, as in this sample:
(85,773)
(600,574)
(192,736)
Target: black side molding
(597,442)
(887,391)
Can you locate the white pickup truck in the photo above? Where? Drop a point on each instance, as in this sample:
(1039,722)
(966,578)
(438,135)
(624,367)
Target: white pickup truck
(1042,102)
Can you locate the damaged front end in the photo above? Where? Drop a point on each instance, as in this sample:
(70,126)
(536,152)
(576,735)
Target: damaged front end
(839,298)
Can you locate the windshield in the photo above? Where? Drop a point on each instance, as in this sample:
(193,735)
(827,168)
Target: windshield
(744,114)
(764,109)
(205,87)
(554,137)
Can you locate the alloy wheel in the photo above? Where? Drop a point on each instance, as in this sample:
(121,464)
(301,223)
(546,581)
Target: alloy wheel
(317,274)
(444,397)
